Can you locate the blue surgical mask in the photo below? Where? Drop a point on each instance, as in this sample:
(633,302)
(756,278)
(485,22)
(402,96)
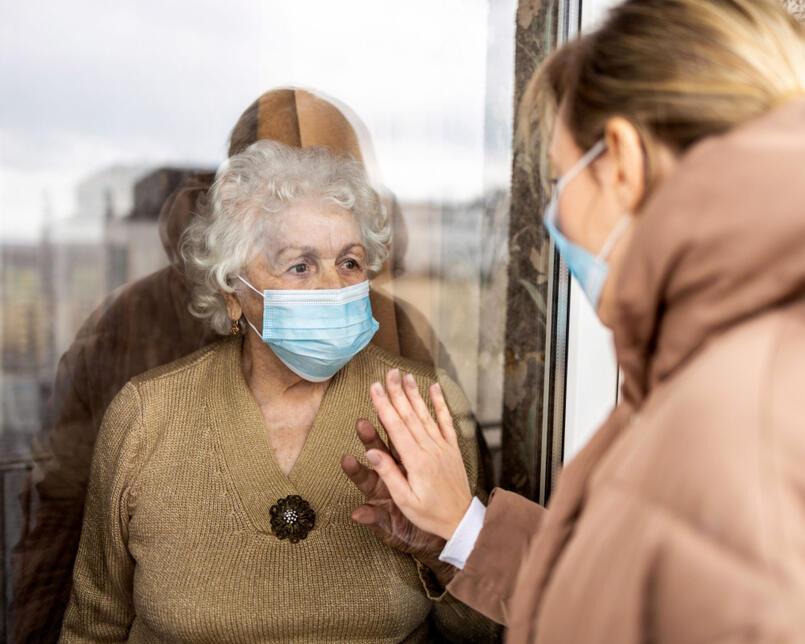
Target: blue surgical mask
(316,332)
(590,270)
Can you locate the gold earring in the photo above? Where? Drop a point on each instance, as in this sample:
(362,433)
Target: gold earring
(235,329)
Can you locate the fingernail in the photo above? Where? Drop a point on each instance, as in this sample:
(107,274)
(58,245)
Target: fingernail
(409,379)
(373,457)
(377,389)
(395,375)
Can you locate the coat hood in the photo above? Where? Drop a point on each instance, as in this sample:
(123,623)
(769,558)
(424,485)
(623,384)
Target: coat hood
(721,240)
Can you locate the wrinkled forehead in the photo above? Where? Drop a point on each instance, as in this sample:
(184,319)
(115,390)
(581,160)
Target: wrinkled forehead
(316,227)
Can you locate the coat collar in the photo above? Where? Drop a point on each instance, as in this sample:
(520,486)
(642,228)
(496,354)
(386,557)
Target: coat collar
(722,240)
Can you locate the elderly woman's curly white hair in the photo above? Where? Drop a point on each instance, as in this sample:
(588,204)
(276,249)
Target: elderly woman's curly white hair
(255,185)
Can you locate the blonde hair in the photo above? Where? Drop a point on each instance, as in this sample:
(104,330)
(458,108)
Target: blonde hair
(678,70)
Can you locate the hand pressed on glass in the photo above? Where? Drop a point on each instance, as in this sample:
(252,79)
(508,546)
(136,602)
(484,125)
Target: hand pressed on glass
(382,516)
(432,491)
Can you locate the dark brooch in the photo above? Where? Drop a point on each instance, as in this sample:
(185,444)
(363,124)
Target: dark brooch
(292,518)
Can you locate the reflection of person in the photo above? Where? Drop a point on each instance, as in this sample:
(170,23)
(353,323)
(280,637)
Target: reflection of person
(216,507)
(144,325)
(140,327)
(678,131)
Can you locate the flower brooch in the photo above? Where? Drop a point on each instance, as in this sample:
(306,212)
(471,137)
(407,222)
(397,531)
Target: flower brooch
(292,518)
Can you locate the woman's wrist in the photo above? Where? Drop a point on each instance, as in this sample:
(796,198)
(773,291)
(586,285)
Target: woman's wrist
(450,527)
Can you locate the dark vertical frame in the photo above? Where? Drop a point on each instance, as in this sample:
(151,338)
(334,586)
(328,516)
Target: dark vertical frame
(528,390)
(556,348)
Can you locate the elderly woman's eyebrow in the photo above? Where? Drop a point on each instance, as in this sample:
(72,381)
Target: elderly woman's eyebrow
(310,250)
(297,250)
(351,246)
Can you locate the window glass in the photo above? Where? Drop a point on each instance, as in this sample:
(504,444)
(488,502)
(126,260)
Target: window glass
(111,109)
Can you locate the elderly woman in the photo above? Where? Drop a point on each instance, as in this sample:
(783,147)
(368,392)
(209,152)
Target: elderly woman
(217,509)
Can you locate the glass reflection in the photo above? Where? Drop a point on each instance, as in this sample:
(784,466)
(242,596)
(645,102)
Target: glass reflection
(88,263)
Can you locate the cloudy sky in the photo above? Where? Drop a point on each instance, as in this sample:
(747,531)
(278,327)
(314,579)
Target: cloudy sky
(88,84)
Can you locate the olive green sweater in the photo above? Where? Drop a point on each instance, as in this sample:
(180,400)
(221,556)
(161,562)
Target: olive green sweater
(177,544)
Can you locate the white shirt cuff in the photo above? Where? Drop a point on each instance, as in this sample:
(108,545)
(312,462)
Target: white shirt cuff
(458,549)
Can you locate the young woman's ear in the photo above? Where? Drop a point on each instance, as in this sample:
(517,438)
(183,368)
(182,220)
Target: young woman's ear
(628,163)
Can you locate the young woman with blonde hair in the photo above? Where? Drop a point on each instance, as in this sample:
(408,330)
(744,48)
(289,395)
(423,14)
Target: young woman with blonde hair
(676,137)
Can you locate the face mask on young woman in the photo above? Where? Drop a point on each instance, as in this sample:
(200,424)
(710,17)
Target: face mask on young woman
(590,270)
(316,332)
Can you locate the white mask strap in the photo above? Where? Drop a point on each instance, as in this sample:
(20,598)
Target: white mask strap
(260,335)
(614,236)
(592,154)
(250,286)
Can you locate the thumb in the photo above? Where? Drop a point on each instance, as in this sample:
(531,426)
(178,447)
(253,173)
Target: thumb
(390,473)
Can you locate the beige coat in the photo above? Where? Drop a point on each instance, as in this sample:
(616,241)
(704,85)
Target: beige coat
(683,520)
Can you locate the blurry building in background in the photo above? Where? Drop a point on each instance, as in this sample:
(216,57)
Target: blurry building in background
(47,291)
(132,245)
(50,287)
(27,346)
(76,262)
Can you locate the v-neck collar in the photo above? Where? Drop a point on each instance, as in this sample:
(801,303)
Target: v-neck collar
(260,482)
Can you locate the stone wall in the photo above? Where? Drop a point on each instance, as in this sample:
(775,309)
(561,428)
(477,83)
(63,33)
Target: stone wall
(797,7)
(529,251)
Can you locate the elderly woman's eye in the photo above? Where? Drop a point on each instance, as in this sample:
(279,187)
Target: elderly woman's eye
(352,265)
(299,268)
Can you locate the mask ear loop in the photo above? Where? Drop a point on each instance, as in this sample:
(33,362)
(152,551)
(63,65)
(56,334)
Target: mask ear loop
(591,155)
(614,236)
(250,286)
(254,328)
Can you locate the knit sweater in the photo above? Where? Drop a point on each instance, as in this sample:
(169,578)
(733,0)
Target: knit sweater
(177,544)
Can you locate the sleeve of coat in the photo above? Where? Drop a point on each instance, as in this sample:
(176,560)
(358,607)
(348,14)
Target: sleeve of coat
(101,606)
(490,574)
